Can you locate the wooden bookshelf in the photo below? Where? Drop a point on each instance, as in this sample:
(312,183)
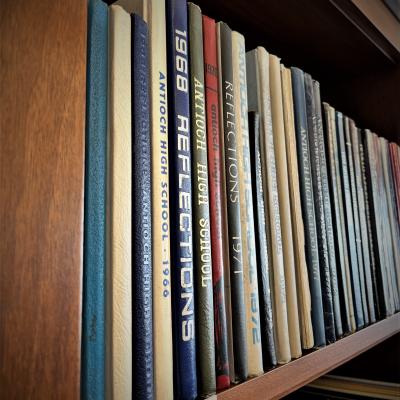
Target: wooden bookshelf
(287,378)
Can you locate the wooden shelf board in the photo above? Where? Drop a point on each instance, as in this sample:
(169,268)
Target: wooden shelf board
(287,378)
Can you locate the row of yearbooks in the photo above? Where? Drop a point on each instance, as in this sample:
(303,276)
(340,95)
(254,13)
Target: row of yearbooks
(231,218)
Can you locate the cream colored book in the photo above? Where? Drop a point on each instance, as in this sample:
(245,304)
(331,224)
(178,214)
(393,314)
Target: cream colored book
(303,287)
(153,12)
(254,349)
(278,130)
(225,240)
(272,209)
(119,209)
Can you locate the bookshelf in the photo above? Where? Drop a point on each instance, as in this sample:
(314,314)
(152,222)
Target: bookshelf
(355,56)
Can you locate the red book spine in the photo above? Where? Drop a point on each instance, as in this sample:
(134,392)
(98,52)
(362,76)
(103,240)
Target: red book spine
(215,187)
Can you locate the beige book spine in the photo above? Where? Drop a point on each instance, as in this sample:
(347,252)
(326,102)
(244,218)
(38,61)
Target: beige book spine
(303,287)
(225,244)
(273,213)
(278,130)
(255,362)
(119,210)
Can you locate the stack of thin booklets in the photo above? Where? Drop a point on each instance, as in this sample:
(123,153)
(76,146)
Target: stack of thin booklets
(232,219)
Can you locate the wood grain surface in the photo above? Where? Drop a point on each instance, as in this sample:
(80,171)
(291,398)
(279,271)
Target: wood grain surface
(285,379)
(42,119)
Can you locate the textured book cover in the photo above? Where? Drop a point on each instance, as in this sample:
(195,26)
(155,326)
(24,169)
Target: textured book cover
(307,205)
(233,205)
(153,12)
(94,267)
(254,347)
(343,268)
(353,195)
(262,251)
(142,271)
(348,222)
(201,211)
(303,287)
(224,215)
(258,75)
(368,210)
(327,213)
(278,130)
(315,157)
(215,198)
(119,209)
(363,221)
(185,374)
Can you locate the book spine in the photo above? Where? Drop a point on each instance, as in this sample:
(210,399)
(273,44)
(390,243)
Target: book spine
(141,208)
(119,258)
(307,205)
(363,222)
(396,176)
(353,194)
(271,202)
(215,197)
(181,202)
(348,217)
(94,270)
(262,251)
(303,287)
(339,235)
(369,228)
(284,204)
(315,156)
(327,213)
(255,363)
(201,212)
(233,206)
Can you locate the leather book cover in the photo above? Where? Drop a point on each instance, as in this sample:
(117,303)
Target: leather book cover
(328,213)
(262,251)
(184,328)
(325,275)
(348,222)
(224,215)
(94,250)
(258,73)
(201,211)
(393,233)
(307,205)
(353,195)
(278,130)
(215,198)
(376,225)
(303,286)
(233,205)
(368,210)
(142,271)
(343,268)
(363,221)
(250,278)
(153,13)
(119,209)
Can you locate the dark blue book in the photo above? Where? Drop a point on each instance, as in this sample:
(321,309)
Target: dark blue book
(307,206)
(93,308)
(185,382)
(142,272)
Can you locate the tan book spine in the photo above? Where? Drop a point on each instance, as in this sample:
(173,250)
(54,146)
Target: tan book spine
(153,12)
(255,362)
(119,210)
(272,207)
(278,130)
(303,287)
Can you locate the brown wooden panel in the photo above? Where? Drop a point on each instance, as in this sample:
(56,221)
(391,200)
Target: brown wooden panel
(42,106)
(287,378)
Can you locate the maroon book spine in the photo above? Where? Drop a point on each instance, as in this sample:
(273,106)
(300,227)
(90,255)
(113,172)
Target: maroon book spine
(215,188)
